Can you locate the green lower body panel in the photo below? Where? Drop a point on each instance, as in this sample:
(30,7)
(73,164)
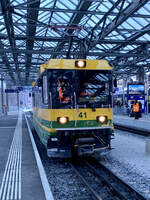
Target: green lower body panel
(43,134)
(61,142)
(71,124)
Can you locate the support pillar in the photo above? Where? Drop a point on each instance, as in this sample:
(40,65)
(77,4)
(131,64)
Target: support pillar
(140,75)
(124,86)
(2,94)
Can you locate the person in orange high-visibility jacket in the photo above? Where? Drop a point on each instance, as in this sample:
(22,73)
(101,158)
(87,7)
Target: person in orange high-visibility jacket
(136,109)
(60,92)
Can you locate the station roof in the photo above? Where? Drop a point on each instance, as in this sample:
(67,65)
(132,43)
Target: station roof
(33,31)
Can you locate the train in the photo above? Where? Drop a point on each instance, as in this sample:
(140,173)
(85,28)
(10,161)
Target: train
(72,106)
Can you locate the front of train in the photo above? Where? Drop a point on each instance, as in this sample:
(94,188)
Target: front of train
(80,103)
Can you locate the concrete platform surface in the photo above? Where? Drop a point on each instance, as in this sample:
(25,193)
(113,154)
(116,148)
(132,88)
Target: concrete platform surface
(141,123)
(19,174)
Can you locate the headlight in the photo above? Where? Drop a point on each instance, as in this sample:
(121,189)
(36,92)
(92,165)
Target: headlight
(101,119)
(63,120)
(80,63)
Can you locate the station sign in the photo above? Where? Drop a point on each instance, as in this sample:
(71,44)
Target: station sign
(11,91)
(16,90)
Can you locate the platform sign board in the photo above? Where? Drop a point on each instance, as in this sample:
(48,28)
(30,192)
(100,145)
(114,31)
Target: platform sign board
(136,89)
(11,91)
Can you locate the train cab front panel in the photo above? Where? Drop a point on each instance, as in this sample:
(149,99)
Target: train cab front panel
(76,110)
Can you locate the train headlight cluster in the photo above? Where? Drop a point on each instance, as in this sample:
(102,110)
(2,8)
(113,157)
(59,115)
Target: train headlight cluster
(102,119)
(80,63)
(63,120)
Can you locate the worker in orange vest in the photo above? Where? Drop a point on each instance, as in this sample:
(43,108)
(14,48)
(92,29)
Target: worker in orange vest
(60,92)
(136,109)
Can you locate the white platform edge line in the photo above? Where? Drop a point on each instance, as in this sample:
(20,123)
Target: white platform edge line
(45,183)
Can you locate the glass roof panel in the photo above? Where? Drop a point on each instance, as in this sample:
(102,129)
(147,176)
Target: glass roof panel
(1,19)
(68,3)
(17,2)
(127,25)
(46,4)
(62,18)
(103,7)
(144,10)
(50,44)
(137,22)
(53,33)
(60,5)
(5,42)
(94,20)
(114,35)
(49,22)
(44,17)
(145,37)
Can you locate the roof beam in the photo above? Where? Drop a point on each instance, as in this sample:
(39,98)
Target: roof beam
(51,52)
(10,30)
(132,38)
(133,7)
(77,40)
(31,30)
(78,11)
(83,5)
(6,62)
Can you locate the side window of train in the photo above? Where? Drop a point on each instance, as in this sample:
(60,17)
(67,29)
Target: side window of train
(45,90)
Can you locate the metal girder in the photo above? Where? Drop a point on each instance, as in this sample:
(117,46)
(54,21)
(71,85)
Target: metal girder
(133,37)
(23,63)
(83,5)
(10,30)
(78,11)
(119,11)
(133,7)
(131,71)
(138,50)
(31,30)
(6,62)
(51,52)
(77,40)
(103,19)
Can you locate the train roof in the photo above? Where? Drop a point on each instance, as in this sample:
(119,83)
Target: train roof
(70,64)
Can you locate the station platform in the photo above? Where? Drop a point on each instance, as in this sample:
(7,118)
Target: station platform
(20,177)
(130,122)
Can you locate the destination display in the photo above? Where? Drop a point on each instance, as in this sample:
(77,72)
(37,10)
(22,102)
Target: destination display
(136,89)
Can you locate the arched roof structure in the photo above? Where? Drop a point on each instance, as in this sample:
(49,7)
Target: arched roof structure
(32,31)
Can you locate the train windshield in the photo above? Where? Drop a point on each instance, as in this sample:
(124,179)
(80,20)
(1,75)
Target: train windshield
(94,88)
(85,88)
(61,88)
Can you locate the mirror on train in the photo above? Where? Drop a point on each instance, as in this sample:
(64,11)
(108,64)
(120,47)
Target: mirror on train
(115,82)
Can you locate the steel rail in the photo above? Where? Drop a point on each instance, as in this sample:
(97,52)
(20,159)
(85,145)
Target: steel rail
(95,194)
(118,186)
(144,132)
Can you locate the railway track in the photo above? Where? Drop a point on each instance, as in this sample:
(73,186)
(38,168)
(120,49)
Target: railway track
(102,183)
(138,131)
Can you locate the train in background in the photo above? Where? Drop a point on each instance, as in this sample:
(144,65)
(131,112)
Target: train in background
(72,106)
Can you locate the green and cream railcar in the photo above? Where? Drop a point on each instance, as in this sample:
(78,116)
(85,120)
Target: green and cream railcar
(72,106)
